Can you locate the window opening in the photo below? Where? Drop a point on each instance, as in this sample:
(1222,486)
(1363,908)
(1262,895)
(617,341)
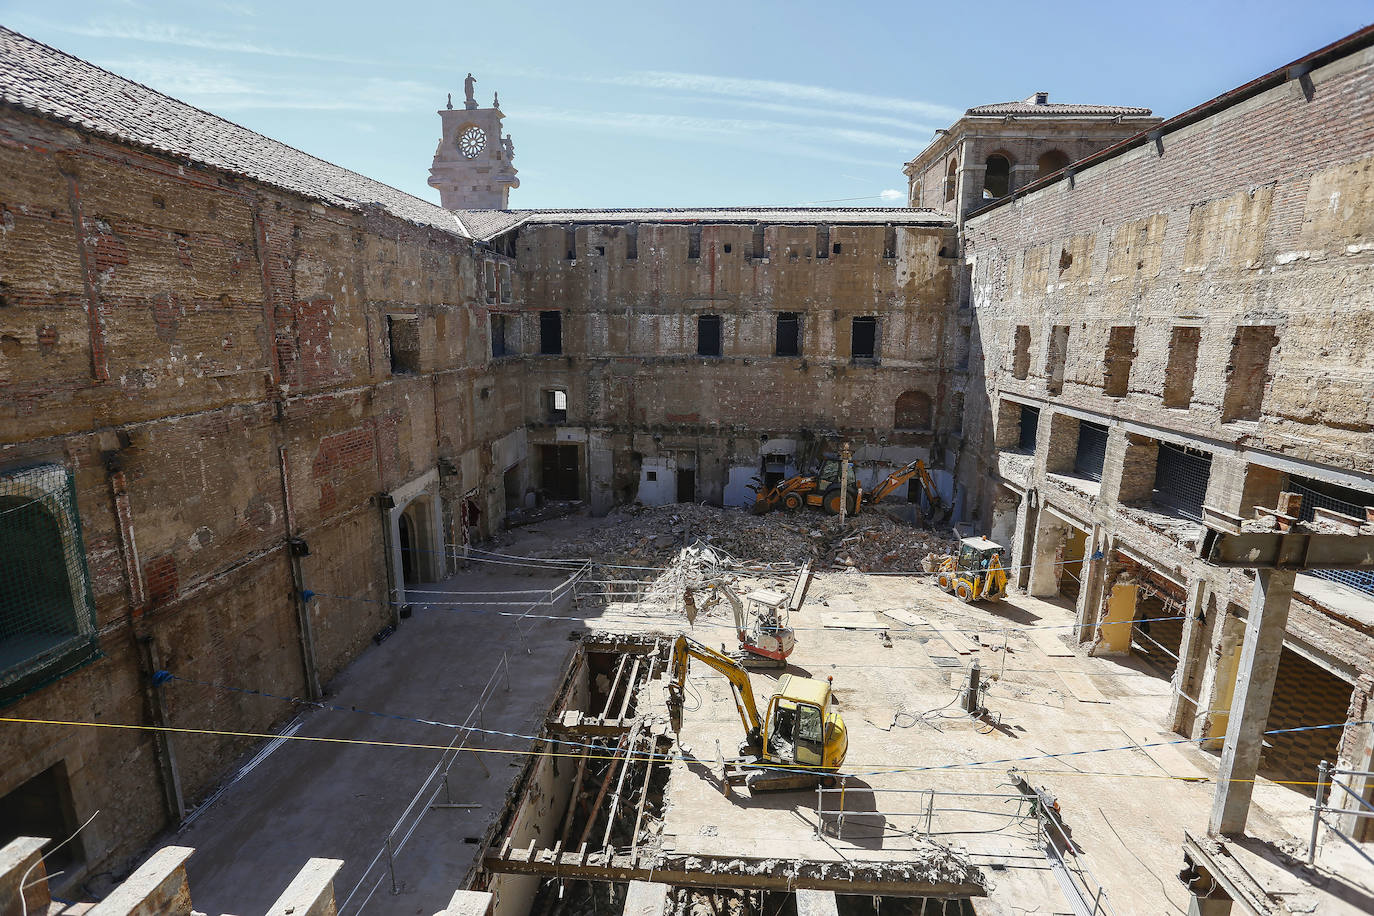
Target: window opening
(47,617)
(1091,451)
(1347,501)
(890,242)
(403,344)
(693,242)
(490,274)
(788,334)
(570,242)
(498,336)
(1116,370)
(1182,366)
(1248,372)
(708,335)
(864,337)
(42,807)
(760,252)
(631,243)
(551,333)
(556,405)
(505,283)
(1029,425)
(996,177)
(1050,162)
(1181,476)
(951,179)
(822,241)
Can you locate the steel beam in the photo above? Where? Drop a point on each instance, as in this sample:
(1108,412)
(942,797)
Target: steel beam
(1288,550)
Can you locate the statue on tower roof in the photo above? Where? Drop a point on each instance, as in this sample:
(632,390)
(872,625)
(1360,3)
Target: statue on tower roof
(450,101)
(495,100)
(468,85)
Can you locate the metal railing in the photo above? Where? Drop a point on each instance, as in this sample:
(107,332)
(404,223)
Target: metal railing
(1362,579)
(923,818)
(1328,778)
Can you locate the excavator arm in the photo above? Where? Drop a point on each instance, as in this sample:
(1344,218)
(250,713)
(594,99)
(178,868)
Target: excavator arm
(684,650)
(917,469)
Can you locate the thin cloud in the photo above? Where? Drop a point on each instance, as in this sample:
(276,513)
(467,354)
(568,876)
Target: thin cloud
(777,90)
(892,194)
(158,33)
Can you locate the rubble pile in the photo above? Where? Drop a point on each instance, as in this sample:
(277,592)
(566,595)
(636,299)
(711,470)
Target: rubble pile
(638,536)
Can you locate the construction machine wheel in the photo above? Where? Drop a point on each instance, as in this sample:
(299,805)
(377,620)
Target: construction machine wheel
(945,581)
(963,590)
(792,502)
(832,503)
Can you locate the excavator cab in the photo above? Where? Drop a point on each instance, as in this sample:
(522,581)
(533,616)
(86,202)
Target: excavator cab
(802,730)
(977,572)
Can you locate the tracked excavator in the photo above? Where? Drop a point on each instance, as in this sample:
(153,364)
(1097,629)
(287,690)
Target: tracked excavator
(798,744)
(762,622)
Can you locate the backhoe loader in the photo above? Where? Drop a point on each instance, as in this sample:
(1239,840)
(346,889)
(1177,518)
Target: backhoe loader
(977,572)
(796,746)
(823,490)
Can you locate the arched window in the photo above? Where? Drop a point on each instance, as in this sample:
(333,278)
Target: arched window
(997,177)
(913,410)
(951,179)
(1050,162)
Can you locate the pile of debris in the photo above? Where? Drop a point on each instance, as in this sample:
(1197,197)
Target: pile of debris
(654,537)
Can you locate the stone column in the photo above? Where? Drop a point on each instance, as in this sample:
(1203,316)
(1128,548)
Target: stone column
(1259,666)
(1190,651)
(1049,535)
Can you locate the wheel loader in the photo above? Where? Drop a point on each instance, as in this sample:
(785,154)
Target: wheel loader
(796,745)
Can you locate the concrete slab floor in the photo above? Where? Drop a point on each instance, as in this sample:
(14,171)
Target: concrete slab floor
(1127,809)
(311,799)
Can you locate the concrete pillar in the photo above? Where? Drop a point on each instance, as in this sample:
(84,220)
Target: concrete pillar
(311,893)
(1259,666)
(1094,581)
(1190,652)
(645,898)
(470,903)
(1219,682)
(1116,620)
(21,865)
(1044,574)
(815,903)
(157,888)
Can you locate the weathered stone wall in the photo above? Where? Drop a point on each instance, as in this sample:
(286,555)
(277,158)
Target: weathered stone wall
(1211,290)
(638,390)
(211,358)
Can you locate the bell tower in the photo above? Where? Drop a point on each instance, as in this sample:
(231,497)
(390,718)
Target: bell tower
(473,167)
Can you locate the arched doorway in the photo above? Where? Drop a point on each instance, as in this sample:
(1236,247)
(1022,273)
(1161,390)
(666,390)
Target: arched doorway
(409,567)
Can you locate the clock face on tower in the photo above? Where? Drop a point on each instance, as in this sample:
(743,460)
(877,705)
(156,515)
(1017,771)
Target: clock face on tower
(472,141)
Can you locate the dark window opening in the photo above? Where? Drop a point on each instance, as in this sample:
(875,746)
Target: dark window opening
(708,335)
(725,247)
(864,338)
(822,241)
(631,243)
(760,252)
(551,333)
(556,405)
(403,344)
(1182,366)
(1248,372)
(47,619)
(1181,476)
(835,249)
(912,411)
(1020,364)
(1055,357)
(601,251)
(1320,494)
(1029,425)
(490,275)
(1116,374)
(498,336)
(951,179)
(651,475)
(686,484)
(997,177)
(1091,451)
(505,283)
(570,242)
(1050,162)
(789,334)
(890,242)
(42,807)
(693,242)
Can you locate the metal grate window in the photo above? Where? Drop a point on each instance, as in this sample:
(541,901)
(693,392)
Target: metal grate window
(1181,476)
(1030,424)
(1092,450)
(47,616)
(1329,497)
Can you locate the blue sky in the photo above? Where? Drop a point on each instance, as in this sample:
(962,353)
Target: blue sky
(672,104)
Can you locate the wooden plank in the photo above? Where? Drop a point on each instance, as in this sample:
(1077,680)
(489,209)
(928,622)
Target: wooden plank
(1048,641)
(794,603)
(906,617)
(1082,687)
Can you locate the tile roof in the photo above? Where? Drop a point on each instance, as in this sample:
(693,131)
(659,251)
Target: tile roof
(51,83)
(486,224)
(1040,105)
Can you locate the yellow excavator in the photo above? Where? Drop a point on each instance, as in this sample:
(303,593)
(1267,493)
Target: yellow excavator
(800,741)
(978,572)
(823,490)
